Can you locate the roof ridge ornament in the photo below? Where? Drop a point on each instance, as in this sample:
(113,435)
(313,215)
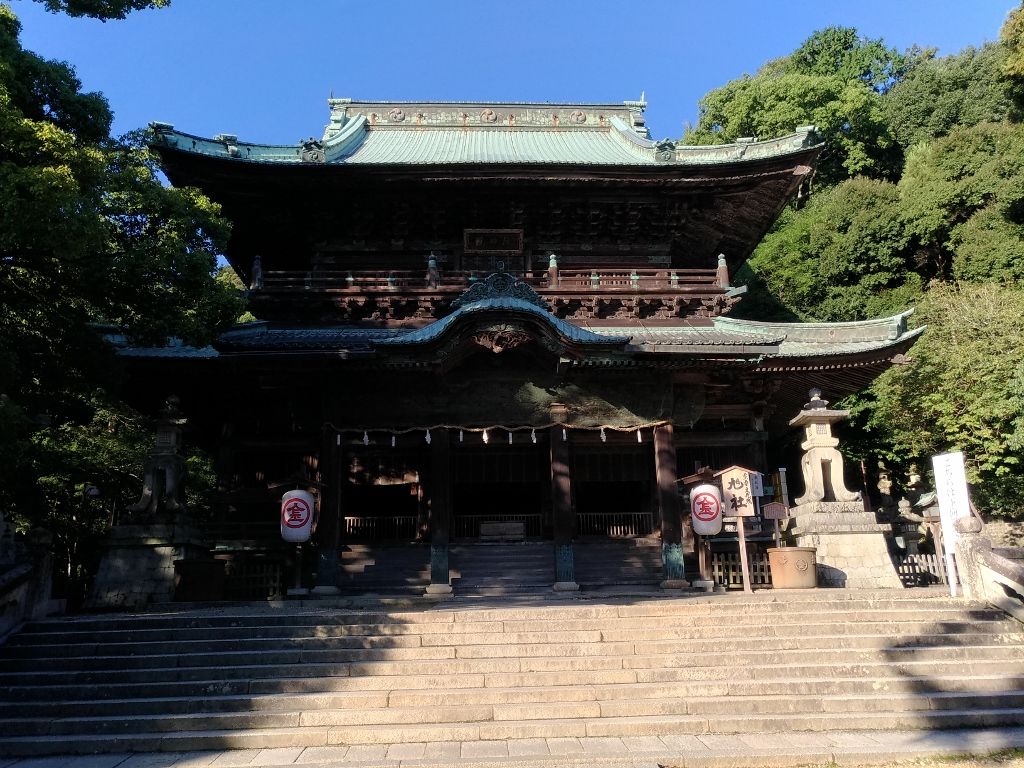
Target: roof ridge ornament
(497,285)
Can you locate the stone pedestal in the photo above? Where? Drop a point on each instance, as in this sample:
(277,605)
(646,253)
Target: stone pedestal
(137,568)
(851,545)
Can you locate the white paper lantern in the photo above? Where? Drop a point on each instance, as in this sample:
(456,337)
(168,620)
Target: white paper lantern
(297,516)
(706,509)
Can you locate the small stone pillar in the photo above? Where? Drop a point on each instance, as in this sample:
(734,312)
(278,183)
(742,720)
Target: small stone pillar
(850,543)
(563,517)
(552,271)
(433,275)
(722,272)
(440,512)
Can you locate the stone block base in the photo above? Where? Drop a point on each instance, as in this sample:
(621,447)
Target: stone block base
(851,546)
(137,567)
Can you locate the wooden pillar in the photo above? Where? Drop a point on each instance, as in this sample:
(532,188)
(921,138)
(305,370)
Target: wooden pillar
(329,525)
(562,512)
(668,507)
(440,511)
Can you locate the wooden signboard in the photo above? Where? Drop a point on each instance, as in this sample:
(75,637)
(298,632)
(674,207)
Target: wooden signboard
(775,511)
(737,492)
(738,502)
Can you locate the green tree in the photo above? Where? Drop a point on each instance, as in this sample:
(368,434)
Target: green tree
(834,81)
(88,236)
(847,255)
(964,391)
(963,199)
(939,95)
(1011,37)
(101,9)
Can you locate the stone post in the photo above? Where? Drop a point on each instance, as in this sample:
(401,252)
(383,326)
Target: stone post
(668,508)
(970,543)
(440,512)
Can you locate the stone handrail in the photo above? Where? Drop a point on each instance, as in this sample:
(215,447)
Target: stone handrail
(988,575)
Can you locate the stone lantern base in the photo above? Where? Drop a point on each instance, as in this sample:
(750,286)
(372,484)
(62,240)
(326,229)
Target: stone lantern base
(851,545)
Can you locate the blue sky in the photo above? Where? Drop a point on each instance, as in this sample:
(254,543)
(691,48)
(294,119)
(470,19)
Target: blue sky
(263,69)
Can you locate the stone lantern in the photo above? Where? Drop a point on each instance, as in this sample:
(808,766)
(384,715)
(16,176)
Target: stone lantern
(822,464)
(850,543)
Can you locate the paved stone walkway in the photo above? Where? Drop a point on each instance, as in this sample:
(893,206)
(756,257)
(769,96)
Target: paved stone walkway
(708,751)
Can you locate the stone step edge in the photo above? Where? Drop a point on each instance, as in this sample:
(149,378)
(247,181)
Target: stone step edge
(739,699)
(928,679)
(205,644)
(836,657)
(328,735)
(649,648)
(399,712)
(897,667)
(652,607)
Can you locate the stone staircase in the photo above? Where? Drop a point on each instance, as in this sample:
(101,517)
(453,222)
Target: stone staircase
(306,675)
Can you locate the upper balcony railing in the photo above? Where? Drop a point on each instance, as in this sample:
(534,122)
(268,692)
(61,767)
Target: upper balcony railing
(604,280)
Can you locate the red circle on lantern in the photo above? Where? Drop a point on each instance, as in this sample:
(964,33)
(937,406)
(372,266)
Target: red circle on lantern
(295,513)
(706,507)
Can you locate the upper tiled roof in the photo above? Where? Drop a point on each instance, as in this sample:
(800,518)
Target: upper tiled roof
(407,133)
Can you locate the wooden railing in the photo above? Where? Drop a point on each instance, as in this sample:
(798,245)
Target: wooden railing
(384,528)
(468,526)
(253,575)
(614,524)
(726,570)
(603,280)
(920,570)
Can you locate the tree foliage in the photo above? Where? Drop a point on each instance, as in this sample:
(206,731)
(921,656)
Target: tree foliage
(1011,37)
(847,255)
(88,236)
(919,201)
(835,82)
(964,390)
(101,9)
(938,95)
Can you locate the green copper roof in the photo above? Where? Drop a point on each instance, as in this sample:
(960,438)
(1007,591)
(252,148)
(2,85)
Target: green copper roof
(394,133)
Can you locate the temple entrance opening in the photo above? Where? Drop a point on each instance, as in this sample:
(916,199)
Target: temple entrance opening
(500,484)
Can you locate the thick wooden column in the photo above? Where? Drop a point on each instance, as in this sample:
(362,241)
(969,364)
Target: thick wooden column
(329,525)
(562,512)
(668,508)
(440,512)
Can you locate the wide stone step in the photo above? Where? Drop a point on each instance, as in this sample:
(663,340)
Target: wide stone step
(450,660)
(197,701)
(684,608)
(405,646)
(474,623)
(621,718)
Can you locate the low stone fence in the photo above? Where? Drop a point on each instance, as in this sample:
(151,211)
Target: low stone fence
(995,576)
(25,586)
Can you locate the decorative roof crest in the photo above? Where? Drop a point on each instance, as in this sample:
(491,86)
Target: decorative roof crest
(498,285)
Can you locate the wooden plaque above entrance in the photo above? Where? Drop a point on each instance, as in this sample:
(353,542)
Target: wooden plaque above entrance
(492,242)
